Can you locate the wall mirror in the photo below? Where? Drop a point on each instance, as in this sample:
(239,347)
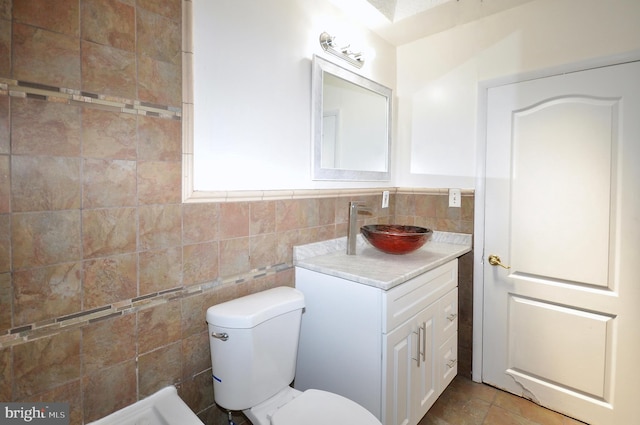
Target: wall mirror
(351,125)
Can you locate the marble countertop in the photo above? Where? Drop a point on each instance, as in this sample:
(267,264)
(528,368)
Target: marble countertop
(375,268)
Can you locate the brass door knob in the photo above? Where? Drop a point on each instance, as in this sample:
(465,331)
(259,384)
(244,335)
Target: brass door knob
(494,260)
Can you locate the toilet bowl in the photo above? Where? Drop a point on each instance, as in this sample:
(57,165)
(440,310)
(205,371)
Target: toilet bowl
(164,407)
(254,343)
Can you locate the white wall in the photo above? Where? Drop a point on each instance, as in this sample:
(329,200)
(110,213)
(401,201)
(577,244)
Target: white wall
(252,84)
(439,76)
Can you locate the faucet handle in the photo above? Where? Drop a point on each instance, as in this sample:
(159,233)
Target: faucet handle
(359,206)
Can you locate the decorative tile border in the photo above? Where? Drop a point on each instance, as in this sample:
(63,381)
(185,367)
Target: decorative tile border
(25,89)
(46,328)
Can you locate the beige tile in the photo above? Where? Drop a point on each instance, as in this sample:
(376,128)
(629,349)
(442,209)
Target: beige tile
(47,292)
(6,299)
(70,392)
(108,231)
(194,310)
(406,204)
(5,243)
(5,185)
(200,263)
(425,205)
(168,8)
(159,82)
(6,370)
(159,139)
(527,409)
(496,408)
(108,342)
(5,144)
(45,183)
(46,363)
(45,57)
(200,222)
(109,22)
(159,326)
(263,250)
(234,220)
(159,368)
(460,409)
(60,19)
(5,9)
(159,182)
(234,257)
(327,211)
(160,226)
(158,37)
(107,134)
(472,389)
(108,183)
(296,214)
(160,270)
(500,416)
(196,354)
(109,389)
(108,280)
(45,238)
(197,392)
(108,70)
(262,218)
(44,128)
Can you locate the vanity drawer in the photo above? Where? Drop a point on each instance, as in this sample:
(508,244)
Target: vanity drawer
(448,361)
(448,312)
(404,301)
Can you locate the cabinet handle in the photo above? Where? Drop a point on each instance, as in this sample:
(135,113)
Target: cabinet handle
(451,363)
(419,334)
(424,341)
(452,317)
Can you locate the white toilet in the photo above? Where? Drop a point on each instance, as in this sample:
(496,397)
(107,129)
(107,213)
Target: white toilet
(254,344)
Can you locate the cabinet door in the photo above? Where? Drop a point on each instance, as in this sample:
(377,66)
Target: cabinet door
(425,372)
(448,361)
(398,360)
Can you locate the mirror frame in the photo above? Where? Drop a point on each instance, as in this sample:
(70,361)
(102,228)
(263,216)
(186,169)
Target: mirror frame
(320,66)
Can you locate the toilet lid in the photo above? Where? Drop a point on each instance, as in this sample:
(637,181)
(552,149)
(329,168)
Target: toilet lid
(315,407)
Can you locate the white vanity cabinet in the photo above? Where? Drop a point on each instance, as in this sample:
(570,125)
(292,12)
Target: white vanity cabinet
(392,351)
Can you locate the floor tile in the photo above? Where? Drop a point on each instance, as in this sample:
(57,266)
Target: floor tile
(466,402)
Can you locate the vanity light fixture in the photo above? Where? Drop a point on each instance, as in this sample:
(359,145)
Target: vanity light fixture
(328,45)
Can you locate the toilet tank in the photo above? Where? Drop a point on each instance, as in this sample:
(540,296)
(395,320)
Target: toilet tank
(254,344)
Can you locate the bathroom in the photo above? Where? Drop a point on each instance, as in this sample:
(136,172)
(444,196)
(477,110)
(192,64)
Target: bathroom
(105,274)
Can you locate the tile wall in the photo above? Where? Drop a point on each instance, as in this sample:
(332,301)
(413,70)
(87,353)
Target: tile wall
(105,276)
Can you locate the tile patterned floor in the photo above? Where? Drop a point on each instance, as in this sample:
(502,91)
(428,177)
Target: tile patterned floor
(465,402)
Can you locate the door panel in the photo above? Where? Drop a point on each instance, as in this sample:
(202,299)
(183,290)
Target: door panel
(561,319)
(562,165)
(540,332)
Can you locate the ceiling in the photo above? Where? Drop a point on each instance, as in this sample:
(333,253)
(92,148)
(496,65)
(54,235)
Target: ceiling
(403,21)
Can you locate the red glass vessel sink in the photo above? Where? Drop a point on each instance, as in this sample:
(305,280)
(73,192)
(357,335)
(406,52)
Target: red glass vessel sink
(395,238)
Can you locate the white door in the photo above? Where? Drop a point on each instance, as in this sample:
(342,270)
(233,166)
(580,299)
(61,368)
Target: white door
(562,324)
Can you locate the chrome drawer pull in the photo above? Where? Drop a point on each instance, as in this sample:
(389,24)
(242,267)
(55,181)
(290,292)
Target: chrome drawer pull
(451,363)
(452,317)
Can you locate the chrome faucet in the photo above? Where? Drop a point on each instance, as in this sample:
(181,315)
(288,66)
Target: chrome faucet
(354,208)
